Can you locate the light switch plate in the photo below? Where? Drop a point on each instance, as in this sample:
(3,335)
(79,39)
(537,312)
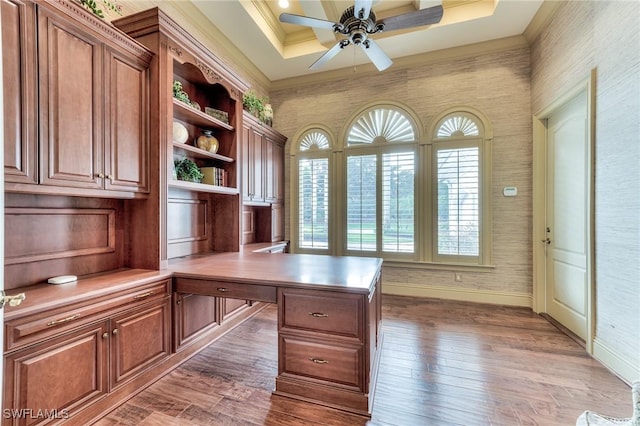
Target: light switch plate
(510,191)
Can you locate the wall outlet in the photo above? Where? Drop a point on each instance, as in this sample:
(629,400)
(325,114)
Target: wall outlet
(457,277)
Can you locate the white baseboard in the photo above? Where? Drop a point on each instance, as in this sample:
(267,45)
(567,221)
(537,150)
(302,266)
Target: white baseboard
(463,294)
(626,369)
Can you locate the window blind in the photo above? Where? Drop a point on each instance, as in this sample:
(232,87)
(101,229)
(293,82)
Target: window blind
(361,202)
(398,176)
(313,196)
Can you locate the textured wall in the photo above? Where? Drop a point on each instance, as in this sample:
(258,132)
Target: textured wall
(605,36)
(497,84)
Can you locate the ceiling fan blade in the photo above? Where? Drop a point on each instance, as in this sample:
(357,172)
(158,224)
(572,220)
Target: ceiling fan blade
(329,54)
(363,6)
(428,16)
(306,21)
(376,55)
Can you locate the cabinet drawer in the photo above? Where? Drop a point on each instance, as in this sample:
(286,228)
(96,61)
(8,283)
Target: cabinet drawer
(33,328)
(324,361)
(321,311)
(261,293)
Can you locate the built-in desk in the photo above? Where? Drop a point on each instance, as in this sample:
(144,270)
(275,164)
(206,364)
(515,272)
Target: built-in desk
(329,311)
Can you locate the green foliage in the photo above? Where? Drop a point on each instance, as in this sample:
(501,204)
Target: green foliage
(180,94)
(187,170)
(254,103)
(93,7)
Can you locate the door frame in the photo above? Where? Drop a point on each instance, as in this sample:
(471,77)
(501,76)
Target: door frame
(540,201)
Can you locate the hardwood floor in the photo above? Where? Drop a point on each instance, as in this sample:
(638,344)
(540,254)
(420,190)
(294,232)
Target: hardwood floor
(443,363)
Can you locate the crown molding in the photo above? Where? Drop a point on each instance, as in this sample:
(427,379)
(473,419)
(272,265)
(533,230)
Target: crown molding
(470,50)
(541,20)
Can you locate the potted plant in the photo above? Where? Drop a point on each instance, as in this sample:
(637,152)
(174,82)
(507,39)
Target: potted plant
(187,170)
(254,103)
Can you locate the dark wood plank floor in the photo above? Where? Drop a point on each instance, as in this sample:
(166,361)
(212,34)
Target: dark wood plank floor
(443,363)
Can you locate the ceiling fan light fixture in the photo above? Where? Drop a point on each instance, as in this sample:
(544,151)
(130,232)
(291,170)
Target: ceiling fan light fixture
(284,4)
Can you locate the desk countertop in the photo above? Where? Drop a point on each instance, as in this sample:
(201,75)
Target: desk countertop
(340,273)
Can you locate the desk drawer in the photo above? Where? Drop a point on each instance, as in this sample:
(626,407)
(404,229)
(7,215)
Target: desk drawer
(261,293)
(327,312)
(324,361)
(33,328)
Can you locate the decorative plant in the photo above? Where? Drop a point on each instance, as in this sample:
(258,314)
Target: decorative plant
(93,7)
(182,96)
(254,103)
(187,170)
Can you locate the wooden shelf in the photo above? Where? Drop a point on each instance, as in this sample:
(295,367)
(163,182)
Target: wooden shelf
(182,111)
(200,153)
(203,187)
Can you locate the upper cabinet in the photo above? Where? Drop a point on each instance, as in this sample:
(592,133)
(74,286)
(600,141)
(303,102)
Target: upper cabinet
(262,163)
(92,104)
(192,93)
(19,67)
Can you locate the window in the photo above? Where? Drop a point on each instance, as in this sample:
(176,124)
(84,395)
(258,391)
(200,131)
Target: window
(458,187)
(313,191)
(380,190)
(396,195)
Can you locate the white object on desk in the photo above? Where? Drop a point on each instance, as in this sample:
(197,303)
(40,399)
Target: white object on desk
(63,279)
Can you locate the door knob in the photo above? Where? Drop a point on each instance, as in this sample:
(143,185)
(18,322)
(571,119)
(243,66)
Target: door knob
(14,300)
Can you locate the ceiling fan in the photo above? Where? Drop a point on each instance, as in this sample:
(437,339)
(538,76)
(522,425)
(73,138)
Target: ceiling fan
(358,22)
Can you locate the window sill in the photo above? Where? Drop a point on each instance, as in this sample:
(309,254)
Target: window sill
(437,266)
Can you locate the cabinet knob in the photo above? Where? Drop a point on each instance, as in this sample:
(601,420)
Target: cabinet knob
(178,302)
(115,331)
(110,177)
(105,335)
(101,175)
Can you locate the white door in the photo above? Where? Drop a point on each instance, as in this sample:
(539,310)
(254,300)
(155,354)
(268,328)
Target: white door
(568,215)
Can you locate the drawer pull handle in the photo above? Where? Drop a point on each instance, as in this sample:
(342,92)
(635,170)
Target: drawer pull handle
(63,320)
(222,289)
(318,315)
(143,296)
(319,361)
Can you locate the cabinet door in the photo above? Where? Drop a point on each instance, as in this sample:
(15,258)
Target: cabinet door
(19,72)
(71,104)
(194,314)
(59,374)
(139,338)
(126,137)
(269,171)
(231,306)
(277,222)
(252,165)
(278,172)
(247,167)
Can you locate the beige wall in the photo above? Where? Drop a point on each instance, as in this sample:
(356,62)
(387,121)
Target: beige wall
(605,36)
(496,83)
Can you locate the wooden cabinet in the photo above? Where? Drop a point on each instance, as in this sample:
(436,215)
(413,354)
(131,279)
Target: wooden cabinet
(193,315)
(139,338)
(19,71)
(253,162)
(64,373)
(262,162)
(63,359)
(328,339)
(80,120)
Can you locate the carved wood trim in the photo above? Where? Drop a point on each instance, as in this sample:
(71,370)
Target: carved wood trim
(14,219)
(78,13)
